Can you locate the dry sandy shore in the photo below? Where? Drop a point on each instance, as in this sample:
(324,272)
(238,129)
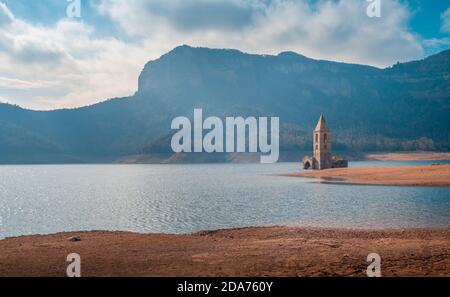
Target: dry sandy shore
(408,156)
(271,251)
(426,175)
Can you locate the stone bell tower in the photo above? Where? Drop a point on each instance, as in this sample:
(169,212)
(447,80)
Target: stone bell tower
(322,159)
(322,145)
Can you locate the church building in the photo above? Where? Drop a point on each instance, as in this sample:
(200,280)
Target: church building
(322,159)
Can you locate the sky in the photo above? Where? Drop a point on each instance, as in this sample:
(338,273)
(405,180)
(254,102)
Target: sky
(50,61)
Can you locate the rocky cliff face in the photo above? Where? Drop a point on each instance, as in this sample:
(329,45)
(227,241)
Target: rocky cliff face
(406,106)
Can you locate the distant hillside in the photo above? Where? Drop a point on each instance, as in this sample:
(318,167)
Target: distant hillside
(404,107)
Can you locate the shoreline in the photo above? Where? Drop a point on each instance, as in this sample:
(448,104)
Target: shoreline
(437,175)
(407,156)
(250,251)
(239,158)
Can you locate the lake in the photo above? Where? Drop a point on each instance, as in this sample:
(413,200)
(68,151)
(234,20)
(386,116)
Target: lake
(40,199)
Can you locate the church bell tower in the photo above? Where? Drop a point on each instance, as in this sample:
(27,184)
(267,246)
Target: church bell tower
(322,145)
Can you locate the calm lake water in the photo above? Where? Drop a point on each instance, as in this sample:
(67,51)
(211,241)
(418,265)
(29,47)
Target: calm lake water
(186,198)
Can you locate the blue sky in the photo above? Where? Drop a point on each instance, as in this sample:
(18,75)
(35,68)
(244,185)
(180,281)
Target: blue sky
(425,20)
(49,12)
(50,61)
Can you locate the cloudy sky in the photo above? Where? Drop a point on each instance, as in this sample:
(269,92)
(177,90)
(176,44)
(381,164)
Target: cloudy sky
(49,61)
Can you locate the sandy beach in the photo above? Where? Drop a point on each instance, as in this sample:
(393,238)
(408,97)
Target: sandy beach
(407,156)
(426,175)
(270,251)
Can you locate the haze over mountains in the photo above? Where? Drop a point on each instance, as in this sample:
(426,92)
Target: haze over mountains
(404,107)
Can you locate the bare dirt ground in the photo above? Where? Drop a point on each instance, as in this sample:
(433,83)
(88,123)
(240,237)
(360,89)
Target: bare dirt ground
(426,175)
(408,156)
(269,251)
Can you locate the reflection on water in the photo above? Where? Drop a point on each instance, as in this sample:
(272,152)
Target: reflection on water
(186,198)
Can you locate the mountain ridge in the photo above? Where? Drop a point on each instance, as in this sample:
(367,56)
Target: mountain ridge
(402,107)
(445,53)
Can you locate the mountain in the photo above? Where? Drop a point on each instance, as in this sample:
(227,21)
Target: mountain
(403,107)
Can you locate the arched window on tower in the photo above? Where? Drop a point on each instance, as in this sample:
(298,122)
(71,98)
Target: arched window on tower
(317,137)
(325,137)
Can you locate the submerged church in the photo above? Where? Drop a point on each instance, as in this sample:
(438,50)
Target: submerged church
(323,159)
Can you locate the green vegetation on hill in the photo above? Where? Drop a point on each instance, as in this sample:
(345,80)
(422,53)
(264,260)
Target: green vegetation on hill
(404,107)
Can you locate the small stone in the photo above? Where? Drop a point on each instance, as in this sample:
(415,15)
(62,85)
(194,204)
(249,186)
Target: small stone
(75,238)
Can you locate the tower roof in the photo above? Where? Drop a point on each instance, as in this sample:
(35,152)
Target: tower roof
(321,124)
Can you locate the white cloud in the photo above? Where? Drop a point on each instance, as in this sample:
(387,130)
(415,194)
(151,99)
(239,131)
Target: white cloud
(435,45)
(67,65)
(445,17)
(337,30)
(6,82)
(5,14)
(3,100)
